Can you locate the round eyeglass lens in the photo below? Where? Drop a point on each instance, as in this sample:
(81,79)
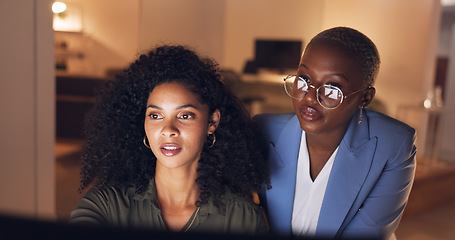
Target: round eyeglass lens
(296,87)
(330,96)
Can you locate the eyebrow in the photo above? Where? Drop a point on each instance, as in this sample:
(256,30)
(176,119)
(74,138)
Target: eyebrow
(177,108)
(333,74)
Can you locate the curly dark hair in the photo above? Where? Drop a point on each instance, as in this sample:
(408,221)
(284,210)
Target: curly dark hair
(357,44)
(115,154)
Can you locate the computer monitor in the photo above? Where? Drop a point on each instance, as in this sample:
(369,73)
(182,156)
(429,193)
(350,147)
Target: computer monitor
(280,55)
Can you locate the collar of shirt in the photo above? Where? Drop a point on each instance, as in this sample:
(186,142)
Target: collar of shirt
(206,209)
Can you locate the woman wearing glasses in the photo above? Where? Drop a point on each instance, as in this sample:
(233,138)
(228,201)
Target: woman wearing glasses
(337,169)
(171,149)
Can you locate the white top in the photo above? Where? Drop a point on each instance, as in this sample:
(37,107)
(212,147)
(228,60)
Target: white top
(308,194)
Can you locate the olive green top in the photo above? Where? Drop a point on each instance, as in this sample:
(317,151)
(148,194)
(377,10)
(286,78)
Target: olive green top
(123,207)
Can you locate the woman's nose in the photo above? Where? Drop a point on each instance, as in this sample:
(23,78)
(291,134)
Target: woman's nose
(311,95)
(170,130)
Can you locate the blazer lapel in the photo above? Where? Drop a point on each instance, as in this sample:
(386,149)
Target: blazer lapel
(350,169)
(283,154)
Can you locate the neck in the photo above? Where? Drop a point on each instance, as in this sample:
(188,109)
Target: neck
(327,141)
(176,188)
(323,143)
(320,148)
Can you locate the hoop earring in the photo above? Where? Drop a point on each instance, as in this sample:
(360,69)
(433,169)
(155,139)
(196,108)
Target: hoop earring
(361,116)
(213,141)
(145,142)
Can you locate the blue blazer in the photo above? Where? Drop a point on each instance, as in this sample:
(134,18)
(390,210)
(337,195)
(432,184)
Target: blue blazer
(368,187)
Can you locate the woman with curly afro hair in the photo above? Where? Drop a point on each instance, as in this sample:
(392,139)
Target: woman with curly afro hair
(170,148)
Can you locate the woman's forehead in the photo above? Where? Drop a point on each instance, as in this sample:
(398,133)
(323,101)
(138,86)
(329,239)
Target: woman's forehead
(324,60)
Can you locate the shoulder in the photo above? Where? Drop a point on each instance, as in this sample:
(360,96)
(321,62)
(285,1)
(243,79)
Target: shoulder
(229,196)
(233,202)
(233,207)
(244,216)
(103,205)
(270,125)
(111,196)
(384,126)
(395,139)
(272,119)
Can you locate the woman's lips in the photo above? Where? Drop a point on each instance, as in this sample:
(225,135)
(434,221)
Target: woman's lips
(309,114)
(170,149)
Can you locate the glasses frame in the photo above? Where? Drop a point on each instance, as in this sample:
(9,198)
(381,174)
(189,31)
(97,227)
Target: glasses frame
(317,91)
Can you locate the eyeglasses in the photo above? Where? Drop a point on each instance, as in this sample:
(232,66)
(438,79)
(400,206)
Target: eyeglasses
(328,96)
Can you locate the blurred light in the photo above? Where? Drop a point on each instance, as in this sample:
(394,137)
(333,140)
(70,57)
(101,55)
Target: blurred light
(447,2)
(58,7)
(70,20)
(427,104)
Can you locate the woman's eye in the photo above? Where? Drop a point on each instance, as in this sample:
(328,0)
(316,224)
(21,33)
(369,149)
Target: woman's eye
(304,78)
(155,116)
(186,116)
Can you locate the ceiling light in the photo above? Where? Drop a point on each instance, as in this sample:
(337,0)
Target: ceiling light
(58,7)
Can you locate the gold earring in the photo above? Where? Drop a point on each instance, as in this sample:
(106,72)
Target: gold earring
(213,141)
(361,116)
(145,142)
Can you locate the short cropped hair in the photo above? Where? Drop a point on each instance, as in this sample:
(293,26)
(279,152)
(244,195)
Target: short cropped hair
(357,44)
